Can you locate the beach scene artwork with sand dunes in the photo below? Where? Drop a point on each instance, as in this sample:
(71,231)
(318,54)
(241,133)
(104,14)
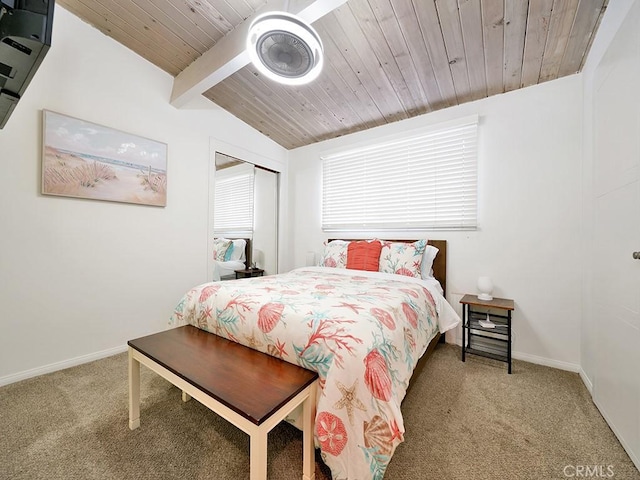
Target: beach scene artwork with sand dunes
(85,160)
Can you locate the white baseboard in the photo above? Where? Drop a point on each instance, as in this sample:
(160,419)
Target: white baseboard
(547,362)
(634,458)
(54,367)
(587,382)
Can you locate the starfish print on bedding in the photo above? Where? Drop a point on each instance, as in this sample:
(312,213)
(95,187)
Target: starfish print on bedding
(218,330)
(252,341)
(349,401)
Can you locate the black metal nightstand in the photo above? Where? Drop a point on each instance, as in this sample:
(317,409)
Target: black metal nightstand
(484,331)
(249,272)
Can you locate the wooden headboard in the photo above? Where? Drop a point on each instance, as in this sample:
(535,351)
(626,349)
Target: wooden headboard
(439,264)
(248,249)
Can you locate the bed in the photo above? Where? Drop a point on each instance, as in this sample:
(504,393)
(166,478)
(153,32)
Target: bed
(230,255)
(364,332)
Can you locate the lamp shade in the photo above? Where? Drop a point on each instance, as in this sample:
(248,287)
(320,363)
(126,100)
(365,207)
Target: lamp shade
(485,287)
(258,257)
(311,259)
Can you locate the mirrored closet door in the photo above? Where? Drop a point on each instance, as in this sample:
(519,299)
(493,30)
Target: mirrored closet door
(246,206)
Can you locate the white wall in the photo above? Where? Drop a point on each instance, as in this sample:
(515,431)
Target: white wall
(529,212)
(78,277)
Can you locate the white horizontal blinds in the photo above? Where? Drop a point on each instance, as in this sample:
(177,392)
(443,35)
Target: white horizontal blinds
(426,181)
(233,200)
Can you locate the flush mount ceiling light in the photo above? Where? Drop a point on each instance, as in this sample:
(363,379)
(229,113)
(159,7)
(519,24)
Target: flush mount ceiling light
(284,48)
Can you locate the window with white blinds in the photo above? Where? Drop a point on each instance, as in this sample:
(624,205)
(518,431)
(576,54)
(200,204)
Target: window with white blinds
(233,200)
(425,181)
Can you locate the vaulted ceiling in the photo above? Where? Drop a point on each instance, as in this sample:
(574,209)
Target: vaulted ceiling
(385,60)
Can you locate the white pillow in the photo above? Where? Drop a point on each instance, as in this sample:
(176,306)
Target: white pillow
(426,267)
(239,247)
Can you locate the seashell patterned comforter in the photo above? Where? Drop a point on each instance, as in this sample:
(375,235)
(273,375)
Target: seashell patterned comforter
(363,332)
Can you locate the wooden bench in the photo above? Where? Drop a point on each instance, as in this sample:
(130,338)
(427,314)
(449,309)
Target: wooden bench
(250,389)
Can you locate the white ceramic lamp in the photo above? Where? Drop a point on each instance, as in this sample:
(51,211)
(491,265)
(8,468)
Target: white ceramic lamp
(311,259)
(258,258)
(485,287)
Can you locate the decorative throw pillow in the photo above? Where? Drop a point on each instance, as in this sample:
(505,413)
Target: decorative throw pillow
(335,254)
(363,255)
(402,258)
(229,252)
(220,247)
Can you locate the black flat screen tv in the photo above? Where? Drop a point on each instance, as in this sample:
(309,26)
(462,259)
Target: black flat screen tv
(25,38)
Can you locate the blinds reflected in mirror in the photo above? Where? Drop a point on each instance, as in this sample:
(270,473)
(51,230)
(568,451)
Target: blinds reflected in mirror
(233,200)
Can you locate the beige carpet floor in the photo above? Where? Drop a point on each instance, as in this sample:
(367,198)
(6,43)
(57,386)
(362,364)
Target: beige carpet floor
(464,421)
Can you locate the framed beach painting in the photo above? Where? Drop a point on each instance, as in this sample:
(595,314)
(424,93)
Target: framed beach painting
(85,160)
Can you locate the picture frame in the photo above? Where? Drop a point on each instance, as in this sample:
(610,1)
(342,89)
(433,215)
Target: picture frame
(82,159)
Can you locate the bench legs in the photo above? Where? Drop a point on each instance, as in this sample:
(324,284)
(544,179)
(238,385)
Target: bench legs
(258,454)
(134,392)
(258,442)
(258,434)
(308,450)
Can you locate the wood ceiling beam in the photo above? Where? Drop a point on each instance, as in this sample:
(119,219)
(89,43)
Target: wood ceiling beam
(230,55)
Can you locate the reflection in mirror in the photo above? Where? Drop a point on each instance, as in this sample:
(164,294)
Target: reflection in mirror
(245,207)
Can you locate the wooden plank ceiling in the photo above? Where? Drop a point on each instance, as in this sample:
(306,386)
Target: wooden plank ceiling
(385,60)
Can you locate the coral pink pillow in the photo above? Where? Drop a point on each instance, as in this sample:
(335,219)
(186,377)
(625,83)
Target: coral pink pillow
(364,255)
